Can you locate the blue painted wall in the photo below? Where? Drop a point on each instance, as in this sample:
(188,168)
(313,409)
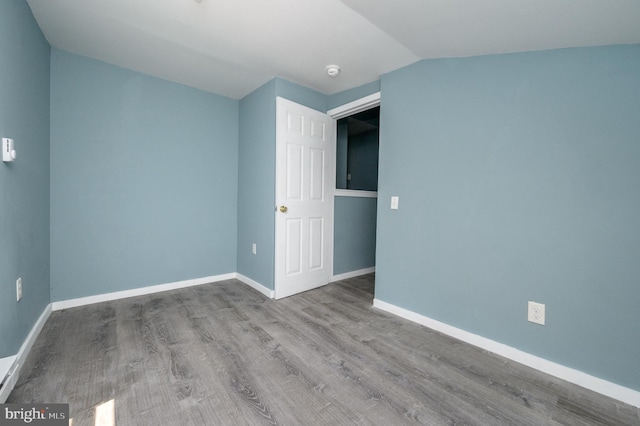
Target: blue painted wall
(519,179)
(143,180)
(354,234)
(24,184)
(256,184)
(342,98)
(301,94)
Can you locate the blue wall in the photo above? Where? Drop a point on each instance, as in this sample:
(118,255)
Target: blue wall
(24,184)
(519,179)
(256,184)
(342,98)
(143,180)
(300,94)
(354,234)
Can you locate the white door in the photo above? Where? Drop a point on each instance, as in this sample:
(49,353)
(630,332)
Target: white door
(305,180)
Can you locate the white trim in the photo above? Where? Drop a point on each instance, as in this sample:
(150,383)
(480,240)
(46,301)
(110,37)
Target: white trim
(255,285)
(355,107)
(89,300)
(621,393)
(5,365)
(21,356)
(352,274)
(355,193)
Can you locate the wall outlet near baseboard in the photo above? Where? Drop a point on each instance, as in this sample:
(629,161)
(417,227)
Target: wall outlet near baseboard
(18,289)
(536,313)
(253,248)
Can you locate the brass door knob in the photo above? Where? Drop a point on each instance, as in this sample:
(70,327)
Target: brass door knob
(283,209)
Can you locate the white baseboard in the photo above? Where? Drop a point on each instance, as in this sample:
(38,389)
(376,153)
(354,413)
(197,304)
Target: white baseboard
(604,387)
(72,303)
(256,286)
(353,274)
(18,362)
(5,366)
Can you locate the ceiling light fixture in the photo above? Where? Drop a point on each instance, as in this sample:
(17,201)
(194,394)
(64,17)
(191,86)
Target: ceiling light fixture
(333,70)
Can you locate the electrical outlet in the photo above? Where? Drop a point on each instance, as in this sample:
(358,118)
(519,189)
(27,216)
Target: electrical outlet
(536,313)
(253,248)
(19,289)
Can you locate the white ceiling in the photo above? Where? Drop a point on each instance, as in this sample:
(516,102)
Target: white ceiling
(231,47)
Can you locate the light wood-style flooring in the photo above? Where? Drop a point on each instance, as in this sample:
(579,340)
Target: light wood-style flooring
(223,354)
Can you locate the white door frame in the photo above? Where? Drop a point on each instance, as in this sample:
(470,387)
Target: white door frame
(355,107)
(346,110)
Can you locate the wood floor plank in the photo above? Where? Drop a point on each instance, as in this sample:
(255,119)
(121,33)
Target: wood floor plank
(223,354)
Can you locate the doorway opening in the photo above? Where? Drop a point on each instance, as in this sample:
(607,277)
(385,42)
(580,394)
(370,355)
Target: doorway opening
(355,200)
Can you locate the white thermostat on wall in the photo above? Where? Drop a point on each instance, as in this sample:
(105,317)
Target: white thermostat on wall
(8,151)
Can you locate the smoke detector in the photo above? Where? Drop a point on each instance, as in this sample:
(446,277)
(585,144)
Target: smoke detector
(333,70)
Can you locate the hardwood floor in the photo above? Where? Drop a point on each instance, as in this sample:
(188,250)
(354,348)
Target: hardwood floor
(223,354)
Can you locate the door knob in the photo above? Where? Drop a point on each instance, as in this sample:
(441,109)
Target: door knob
(283,209)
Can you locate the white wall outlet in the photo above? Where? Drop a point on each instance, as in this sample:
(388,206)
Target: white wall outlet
(19,289)
(253,248)
(536,313)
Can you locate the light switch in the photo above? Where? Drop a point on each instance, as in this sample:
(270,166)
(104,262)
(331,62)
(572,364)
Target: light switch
(8,151)
(394,202)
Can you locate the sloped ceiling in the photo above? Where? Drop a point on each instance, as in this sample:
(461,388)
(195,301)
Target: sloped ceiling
(231,47)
